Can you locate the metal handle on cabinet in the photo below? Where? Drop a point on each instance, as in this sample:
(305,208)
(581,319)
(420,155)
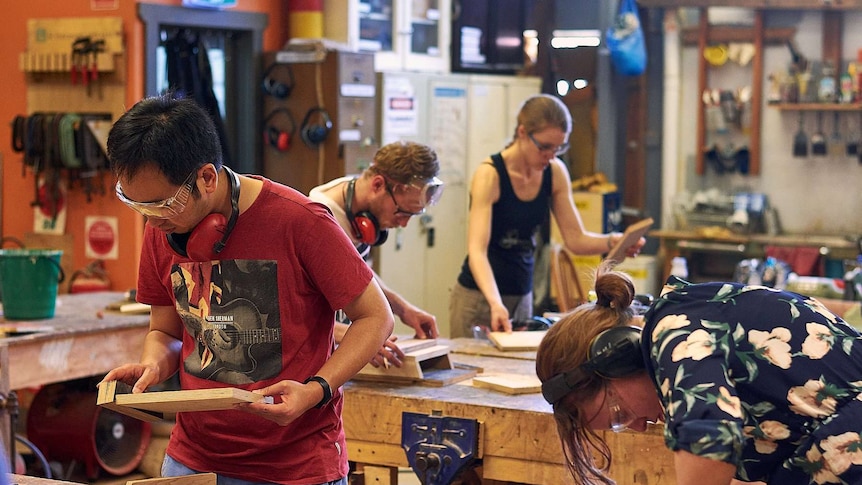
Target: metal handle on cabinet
(712,246)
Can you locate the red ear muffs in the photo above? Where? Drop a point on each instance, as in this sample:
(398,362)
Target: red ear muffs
(366,229)
(200,244)
(210,236)
(276,136)
(364,225)
(280,140)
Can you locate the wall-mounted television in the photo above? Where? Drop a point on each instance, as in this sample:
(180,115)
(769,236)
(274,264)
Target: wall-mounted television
(488,35)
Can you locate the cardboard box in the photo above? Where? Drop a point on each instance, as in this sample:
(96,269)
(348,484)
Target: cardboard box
(642,269)
(601,212)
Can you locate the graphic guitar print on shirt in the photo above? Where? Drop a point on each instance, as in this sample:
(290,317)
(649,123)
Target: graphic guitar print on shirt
(231,340)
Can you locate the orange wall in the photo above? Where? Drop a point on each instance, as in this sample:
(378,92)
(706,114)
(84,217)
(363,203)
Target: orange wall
(17,190)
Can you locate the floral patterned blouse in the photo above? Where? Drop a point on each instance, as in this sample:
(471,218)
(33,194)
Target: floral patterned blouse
(764,379)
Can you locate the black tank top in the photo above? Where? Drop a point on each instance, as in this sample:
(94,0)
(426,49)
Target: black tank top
(514,224)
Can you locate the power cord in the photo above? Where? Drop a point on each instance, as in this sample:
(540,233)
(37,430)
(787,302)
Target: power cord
(10,404)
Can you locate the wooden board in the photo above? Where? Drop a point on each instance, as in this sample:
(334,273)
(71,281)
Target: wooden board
(148,404)
(631,236)
(483,347)
(509,383)
(409,345)
(517,340)
(196,479)
(128,306)
(189,400)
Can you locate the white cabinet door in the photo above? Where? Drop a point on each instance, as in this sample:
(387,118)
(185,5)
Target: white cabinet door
(422,260)
(405,35)
(465,118)
(427,36)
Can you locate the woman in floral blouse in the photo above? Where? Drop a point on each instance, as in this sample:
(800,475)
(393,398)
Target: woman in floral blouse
(753,384)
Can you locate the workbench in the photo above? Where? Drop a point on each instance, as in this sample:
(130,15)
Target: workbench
(742,246)
(82,339)
(518,439)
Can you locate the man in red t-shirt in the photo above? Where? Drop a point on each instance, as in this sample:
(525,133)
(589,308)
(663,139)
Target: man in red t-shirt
(243,276)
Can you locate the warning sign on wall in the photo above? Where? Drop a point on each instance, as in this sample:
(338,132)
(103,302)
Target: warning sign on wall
(101,237)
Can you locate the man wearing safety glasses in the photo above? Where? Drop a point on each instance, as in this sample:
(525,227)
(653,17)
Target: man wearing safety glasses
(400,183)
(243,276)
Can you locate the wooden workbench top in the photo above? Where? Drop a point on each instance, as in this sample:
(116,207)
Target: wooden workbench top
(464,392)
(76,314)
(82,339)
(482,347)
(519,437)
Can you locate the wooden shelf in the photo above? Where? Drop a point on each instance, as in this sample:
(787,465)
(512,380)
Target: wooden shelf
(758,4)
(732,33)
(849,107)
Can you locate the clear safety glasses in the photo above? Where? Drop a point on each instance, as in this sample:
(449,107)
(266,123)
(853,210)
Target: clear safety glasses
(620,416)
(162,209)
(547,147)
(426,194)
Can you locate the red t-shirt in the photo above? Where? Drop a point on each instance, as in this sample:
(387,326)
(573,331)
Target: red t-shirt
(262,313)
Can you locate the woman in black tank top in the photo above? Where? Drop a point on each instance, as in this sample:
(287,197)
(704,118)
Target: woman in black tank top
(511,196)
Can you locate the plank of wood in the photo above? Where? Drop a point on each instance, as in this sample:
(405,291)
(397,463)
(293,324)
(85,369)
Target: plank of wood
(509,383)
(410,345)
(483,347)
(126,306)
(631,236)
(148,406)
(517,340)
(196,479)
(188,400)
(446,377)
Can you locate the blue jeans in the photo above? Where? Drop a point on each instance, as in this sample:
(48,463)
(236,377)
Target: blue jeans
(173,468)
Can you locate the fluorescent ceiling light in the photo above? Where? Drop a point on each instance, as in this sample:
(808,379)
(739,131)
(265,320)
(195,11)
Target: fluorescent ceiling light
(571,39)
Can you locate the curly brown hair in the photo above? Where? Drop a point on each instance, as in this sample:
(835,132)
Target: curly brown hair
(405,162)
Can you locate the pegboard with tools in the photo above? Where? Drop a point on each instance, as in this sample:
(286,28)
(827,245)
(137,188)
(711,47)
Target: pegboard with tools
(80,58)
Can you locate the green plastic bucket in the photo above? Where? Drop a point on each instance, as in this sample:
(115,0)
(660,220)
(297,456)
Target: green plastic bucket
(28,280)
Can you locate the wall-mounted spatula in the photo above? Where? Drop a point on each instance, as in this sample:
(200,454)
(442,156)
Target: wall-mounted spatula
(852,139)
(818,139)
(836,141)
(800,141)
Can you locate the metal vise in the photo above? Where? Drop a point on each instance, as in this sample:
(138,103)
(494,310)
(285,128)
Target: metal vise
(439,448)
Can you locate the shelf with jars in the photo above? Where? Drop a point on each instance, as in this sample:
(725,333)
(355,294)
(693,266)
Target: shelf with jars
(840,107)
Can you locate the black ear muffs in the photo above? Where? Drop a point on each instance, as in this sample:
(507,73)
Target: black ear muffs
(210,236)
(276,137)
(315,126)
(278,88)
(363,224)
(614,353)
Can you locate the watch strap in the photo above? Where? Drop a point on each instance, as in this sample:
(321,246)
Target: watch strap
(327,391)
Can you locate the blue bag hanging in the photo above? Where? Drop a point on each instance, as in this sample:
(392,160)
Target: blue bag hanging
(625,41)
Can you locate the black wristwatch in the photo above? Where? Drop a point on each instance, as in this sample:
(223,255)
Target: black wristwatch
(327,391)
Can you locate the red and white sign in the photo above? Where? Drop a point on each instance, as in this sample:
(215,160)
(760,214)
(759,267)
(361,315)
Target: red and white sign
(101,237)
(49,215)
